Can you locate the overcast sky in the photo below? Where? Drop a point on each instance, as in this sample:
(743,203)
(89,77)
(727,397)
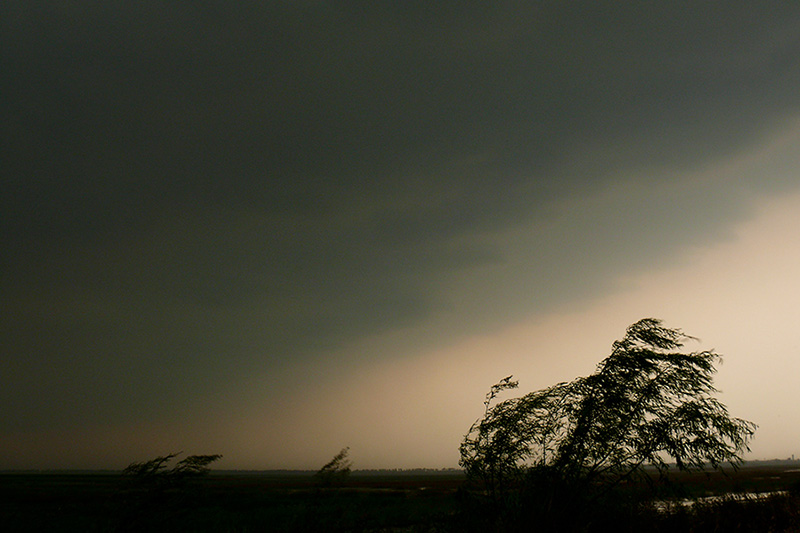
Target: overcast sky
(274,229)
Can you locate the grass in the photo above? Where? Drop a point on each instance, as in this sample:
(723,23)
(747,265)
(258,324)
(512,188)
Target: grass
(394,502)
(704,502)
(234,503)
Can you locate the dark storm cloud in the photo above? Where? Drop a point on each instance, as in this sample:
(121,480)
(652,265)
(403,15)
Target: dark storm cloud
(192,191)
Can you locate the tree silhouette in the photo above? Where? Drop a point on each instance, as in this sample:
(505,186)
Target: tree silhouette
(154,473)
(155,496)
(335,471)
(646,404)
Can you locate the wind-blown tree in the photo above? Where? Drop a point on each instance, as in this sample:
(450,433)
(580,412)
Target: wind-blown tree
(336,471)
(158,495)
(648,403)
(154,473)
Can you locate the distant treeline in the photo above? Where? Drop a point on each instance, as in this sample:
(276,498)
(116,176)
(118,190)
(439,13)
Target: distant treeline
(360,472)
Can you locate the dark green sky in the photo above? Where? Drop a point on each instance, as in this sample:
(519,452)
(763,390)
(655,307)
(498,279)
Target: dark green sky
(198,193)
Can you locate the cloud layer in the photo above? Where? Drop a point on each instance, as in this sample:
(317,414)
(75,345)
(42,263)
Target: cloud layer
(199,192)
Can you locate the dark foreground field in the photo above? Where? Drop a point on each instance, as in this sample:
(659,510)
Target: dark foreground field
(387,501)
(226,502)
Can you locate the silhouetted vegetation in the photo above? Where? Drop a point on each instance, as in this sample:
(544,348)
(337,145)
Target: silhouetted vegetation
(336,471)
(591,455)
(155,474)
(420,501)
(557,455)
(157,497)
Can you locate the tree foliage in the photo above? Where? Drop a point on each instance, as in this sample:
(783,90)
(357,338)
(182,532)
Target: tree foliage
(335,471)
(648,403)
(155,473)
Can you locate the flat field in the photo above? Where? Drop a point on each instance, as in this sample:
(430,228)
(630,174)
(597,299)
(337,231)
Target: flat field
(229,501)
(289,501)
